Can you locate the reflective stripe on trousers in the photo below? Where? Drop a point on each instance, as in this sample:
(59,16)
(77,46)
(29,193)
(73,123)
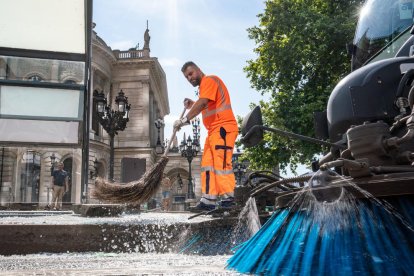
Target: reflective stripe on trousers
(216,180)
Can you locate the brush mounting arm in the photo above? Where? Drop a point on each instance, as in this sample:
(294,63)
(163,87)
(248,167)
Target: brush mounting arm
(256,128)
(347,164)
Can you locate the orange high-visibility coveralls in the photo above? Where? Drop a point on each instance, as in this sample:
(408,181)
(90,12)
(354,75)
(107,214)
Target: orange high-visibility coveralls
(217,177)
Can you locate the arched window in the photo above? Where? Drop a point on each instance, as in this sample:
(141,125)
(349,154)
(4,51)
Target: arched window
(36,78)
(70,82)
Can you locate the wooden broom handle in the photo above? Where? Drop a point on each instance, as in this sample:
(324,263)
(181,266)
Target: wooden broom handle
(173,135)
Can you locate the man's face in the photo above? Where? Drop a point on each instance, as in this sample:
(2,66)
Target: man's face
(193,75)
(60,167)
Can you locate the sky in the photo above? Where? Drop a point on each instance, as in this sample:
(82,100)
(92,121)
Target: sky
(212,33)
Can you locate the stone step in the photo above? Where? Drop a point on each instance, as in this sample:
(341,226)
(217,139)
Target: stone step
(7,213)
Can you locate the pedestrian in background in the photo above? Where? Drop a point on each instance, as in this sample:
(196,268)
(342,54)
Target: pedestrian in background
(60,186)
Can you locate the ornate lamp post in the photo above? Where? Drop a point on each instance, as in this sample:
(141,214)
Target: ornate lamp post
(112,120)
(159,148)
(52,162)
(239,170)
(189,149)
(196,129)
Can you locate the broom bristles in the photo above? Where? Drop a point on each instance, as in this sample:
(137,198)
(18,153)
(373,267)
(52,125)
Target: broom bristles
(134,192)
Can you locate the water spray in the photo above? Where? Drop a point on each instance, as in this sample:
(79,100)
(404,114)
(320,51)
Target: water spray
(324,189)
(323,185)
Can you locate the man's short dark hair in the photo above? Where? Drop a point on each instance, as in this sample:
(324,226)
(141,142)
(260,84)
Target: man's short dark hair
(188,64)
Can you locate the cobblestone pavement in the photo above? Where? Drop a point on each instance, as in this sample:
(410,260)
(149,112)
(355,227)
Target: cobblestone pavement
(113,264)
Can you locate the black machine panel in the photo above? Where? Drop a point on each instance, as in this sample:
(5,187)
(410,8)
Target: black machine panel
(366,95)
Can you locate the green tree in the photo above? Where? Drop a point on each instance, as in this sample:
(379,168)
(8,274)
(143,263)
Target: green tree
(301,56)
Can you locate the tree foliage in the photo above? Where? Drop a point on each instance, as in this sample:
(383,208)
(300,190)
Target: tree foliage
(301,55)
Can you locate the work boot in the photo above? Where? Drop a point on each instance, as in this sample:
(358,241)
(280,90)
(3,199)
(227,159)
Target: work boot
(227,202)
(202,207)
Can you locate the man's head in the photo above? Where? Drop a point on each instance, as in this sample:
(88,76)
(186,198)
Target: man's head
(60,166)
(192,73)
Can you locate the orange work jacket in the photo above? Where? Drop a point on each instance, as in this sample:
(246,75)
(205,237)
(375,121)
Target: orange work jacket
(218,112)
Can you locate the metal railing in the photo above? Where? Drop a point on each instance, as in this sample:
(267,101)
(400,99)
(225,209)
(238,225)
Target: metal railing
(130,54)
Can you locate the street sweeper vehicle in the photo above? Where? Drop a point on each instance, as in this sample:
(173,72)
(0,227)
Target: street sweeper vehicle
(355,213)
(369,122)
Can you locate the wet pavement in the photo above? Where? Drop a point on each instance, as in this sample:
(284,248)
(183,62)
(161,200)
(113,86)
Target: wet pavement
(70,218)
(114,264)
(111,262)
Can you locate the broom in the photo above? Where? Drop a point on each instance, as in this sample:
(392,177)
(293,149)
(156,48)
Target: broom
(350,236)
(137,191)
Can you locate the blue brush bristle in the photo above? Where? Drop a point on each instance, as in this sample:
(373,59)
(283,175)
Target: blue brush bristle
(363,238)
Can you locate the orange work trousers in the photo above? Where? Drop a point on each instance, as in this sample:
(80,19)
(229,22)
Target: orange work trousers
(217,177)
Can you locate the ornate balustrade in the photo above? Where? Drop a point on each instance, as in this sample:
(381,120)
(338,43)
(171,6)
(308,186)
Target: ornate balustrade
(130,54)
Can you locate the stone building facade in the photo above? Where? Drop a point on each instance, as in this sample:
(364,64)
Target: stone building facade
(25,170)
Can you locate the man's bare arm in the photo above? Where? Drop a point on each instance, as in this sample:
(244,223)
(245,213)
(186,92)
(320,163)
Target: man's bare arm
(197,107)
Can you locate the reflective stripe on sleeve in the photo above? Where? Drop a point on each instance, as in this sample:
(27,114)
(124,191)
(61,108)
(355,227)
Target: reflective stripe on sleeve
(208,113)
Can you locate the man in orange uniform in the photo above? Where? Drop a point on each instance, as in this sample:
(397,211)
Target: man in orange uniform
(217,177)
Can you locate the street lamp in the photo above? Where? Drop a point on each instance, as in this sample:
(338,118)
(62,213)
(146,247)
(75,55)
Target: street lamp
(196,129)
(239,170)
(112,120)
(52,162)
(159,148)
(189,149)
